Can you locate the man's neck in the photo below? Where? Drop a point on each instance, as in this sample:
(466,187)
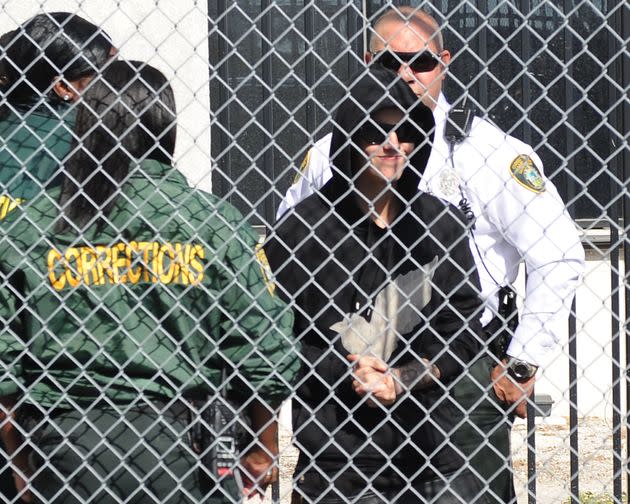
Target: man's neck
(383,207)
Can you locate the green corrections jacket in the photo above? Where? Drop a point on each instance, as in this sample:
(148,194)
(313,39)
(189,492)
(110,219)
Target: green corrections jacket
(156,304)
(32,146)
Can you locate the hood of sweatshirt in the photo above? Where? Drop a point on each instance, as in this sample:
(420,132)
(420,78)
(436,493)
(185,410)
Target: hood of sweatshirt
(371,90)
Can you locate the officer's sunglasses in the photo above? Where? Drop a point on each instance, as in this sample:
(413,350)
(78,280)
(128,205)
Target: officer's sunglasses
(423,61)
(377,133)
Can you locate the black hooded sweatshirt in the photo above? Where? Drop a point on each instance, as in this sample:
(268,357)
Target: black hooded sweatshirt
(341,272)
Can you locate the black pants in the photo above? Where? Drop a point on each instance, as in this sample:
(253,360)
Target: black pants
(483,435)
(108,457)
(462,488)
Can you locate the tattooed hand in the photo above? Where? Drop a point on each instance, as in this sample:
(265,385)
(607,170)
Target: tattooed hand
(384,384)
(416,375)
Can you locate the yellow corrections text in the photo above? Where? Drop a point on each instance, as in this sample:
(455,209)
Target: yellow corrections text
(126,263)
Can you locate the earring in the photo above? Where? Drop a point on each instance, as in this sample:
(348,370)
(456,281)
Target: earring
(66,97)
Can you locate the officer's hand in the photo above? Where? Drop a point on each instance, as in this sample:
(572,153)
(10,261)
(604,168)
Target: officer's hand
(372,376)
(510,391)
(14,444)
(21,467)
(258,472)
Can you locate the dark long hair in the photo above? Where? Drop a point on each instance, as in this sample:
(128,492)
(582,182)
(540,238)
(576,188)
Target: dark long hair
(47,46)
(125,116)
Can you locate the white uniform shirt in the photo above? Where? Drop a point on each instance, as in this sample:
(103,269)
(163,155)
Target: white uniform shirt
(514,222)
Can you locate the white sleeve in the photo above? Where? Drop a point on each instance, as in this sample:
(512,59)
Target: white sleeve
(537,224)
(314,173)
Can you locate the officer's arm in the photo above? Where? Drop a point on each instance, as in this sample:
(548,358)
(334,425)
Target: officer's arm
(14,444)
(258,462)
(11,333)
(11,349)
(314,172)
(256,333)
(537,224)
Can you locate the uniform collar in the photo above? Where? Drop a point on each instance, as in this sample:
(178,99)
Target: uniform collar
(439,153)
(441,111)
(45,108)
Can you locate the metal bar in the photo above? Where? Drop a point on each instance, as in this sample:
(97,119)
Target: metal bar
(525,80)
(622,26)
(355,25)
(616,354)
(309,65)
(482,52)
(573,385)
(573,419)
(615,315)
(531,451)
(527,138)
(219,98)
(573,372)
(266,29)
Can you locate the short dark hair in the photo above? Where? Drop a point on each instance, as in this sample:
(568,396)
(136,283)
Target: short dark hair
(126,115)
(46,46)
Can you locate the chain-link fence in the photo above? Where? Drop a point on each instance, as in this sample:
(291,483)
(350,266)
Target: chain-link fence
(394,285)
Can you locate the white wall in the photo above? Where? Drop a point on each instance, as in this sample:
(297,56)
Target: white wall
(169,34)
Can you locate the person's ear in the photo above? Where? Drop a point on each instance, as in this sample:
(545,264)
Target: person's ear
(367,57)
(65,91)
(445,57)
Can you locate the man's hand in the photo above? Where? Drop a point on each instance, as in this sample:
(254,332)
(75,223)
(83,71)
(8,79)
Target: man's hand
(510,391)
(21,467)
(258,472)
(257,464)
(14,444)
(373,377)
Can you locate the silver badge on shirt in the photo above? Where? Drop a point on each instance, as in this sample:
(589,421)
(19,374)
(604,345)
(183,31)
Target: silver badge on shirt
(449,182)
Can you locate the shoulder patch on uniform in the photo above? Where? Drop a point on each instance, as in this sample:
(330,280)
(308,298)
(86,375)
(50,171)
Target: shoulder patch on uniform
(303,167)
(524,171)
(8,204)
(261,257)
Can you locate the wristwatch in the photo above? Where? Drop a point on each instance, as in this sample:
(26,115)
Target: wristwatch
(521,370)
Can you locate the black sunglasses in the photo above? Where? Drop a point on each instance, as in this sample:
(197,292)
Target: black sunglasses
(423,61)
(376,133)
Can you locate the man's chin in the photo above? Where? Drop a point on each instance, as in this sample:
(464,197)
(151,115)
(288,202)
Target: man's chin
(428,100)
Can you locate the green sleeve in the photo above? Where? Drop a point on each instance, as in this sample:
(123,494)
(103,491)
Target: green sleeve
(11,343)
(257,332)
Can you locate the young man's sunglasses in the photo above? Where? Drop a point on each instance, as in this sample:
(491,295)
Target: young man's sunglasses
(377,133)
(423,61)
